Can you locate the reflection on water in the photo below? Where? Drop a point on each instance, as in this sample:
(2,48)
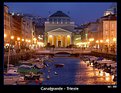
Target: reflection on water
(88,75)
(74,72)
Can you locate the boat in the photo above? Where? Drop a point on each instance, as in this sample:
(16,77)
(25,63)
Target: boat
(56,73)
(12,72)
(59,65)
(32,77)
(48,77)
(39,66)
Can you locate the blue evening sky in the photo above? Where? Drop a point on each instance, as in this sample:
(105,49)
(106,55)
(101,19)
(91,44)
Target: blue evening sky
(80,12)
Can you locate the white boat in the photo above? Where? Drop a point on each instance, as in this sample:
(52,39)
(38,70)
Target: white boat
(106,61)
(56,73)
(48,77)
(13,71)
(25,66)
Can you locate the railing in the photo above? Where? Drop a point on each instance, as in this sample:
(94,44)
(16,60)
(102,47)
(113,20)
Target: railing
(69,50)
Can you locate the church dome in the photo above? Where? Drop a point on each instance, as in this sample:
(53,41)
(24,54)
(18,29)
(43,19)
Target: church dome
(59,14)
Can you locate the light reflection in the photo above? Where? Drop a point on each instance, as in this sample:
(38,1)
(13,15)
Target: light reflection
(107,78)
(107,74)
(97,73)
(101,73)
(91,64)
(112,77)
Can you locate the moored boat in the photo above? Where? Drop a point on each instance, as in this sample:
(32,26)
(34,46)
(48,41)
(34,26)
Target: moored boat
(59,65)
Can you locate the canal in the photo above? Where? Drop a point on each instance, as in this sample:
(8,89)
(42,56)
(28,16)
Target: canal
(74,72)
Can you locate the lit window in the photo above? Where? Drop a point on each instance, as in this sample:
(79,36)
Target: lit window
(106,26)
(112,26)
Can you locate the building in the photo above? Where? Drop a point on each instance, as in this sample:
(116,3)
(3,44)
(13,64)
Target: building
(59,29)
(16,29)
(109,24)
(77,36)
(7,29)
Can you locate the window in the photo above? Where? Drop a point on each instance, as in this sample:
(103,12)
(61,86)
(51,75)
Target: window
(112,26)
(106,26)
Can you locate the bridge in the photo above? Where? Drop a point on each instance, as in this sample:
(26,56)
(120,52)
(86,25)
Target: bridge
(64,50)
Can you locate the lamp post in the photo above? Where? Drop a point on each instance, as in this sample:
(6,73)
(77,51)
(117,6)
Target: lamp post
(91,42)
(107,40)
(97,41)
(101,45)
(11,38)
(10,23)
(18,39)
(114,40)
(4,38)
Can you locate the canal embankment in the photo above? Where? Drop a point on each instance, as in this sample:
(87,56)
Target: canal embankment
(14,58)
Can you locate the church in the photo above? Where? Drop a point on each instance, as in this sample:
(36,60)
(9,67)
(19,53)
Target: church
(59,30)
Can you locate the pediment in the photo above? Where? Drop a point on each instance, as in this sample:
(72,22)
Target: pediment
(59,30)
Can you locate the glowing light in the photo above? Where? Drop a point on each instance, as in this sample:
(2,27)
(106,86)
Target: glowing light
(91,64)
(112,77)
(107,78)
(87,62)
(107,40)
(34,39)
(18,38)
(107,74)
(97,73)
(26,40)
(7,44)
(68,35)
(40,43)
(77,38)
(97,41)
(13,13)
(29,41)
(114,39)
(101,41)
(22,39)
(50,36)
(5,35)
(91,39)
(12,37)
(101,73)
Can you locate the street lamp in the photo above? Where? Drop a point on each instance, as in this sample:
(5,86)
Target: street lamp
(114,39)
(22,39)
(18,38)
(12,37)
(107,40)
(97,41)
(5,35)
(101,45)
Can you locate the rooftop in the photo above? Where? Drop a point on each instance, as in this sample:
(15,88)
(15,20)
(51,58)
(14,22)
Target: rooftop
(59,14)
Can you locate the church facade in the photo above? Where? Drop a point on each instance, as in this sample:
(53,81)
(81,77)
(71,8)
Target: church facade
(59,30)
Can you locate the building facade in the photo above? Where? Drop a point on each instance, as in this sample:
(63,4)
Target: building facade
(7,28)
(59,29)
(109,29)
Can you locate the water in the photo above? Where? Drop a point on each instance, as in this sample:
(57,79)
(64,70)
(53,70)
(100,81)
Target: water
(74,72)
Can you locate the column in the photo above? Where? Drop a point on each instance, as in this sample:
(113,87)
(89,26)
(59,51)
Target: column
(56,41)
(48,39)
(62,41)
(52,39)
(70,39)
(65,40)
